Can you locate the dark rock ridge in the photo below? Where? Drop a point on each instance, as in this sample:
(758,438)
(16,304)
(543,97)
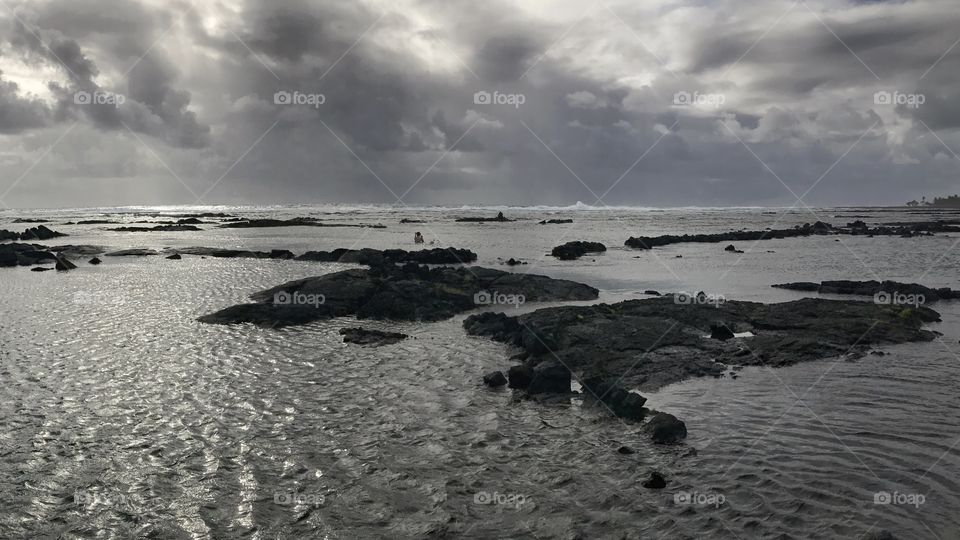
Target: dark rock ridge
(293,222)
(34,233)
(31,220)
(137,252)
(577,249)
(856,228)
(374,338)
(555,221)
(376,257)
(235,253)
(656,341)
(872,288)
(17,254)
(160,228)
(409,292)
(498,219)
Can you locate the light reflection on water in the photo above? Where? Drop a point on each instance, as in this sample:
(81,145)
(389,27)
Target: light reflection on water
(167,427)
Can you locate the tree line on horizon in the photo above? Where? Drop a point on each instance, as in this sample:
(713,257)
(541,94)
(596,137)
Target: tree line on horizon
(951,201)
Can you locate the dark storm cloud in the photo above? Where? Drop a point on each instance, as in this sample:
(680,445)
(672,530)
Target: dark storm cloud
(399,111)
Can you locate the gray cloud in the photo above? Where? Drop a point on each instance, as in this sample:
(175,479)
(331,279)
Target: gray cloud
(199,82)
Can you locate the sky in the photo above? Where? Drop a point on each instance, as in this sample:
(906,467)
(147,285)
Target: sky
(450,102)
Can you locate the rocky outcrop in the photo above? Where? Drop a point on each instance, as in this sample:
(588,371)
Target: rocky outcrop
(577,249)
(555,221)
(655,341)
(35,233)
(665,428)
(494,379)
(818,228)
(499,219)
(17,254)
(376,257)
(294,222)
(374,338)
(158,228)
(235,253)
(882,290)
(410,292)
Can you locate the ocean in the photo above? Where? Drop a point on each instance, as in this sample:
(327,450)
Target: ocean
(124,417)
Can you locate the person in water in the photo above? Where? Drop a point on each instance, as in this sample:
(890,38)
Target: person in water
(418,238)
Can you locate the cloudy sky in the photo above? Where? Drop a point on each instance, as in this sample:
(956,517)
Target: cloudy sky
(618,102)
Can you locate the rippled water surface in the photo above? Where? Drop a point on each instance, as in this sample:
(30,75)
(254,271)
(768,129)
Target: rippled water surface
(123,417)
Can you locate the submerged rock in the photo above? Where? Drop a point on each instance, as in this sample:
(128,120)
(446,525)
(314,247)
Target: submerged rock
(555,221)
(409,293)
(574,250)
(95,261)
(175,257)
(494,379)
(655,481)
(376,338)
(666,428)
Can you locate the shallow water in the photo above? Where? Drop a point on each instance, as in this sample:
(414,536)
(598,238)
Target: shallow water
(124,417)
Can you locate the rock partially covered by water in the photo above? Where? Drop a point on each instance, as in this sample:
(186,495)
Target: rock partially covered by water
(494,379)
(655,481)
(17,254)
(40,233)
(621,402)
(376,257)
(375,338)
(574,250)
(294,222)
(234,253)
(409,293)
(666,428)
(550,377)
(656,341)
(885,291)
(499,218)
